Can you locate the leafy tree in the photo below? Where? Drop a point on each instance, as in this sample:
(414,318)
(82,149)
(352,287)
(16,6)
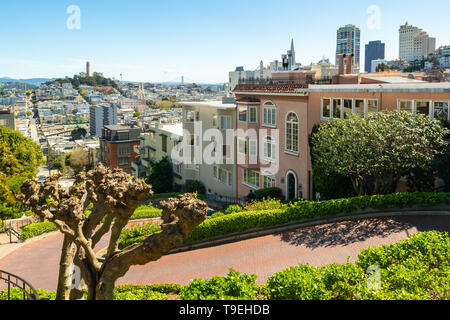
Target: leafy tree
(78,133)
(161,177)
(78,160)
(136,114)
(422,180)
(19,155)
(196,186)
(330,184)
(56,160)
(382,67)
(377,151)
(165,104)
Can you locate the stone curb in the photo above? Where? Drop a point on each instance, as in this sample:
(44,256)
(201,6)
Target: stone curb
(254,233)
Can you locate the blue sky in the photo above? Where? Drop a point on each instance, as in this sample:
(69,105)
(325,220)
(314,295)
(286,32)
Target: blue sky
(202,40)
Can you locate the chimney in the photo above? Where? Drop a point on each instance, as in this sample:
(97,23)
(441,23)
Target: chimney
(341,63)
(349,64)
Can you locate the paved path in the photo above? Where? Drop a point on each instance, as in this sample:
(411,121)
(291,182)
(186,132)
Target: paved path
(37,262)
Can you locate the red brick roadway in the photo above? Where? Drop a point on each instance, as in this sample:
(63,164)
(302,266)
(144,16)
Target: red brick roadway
(38,261)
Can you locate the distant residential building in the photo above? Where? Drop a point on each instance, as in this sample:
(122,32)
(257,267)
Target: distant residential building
(218,178)
(117,146)
(349,42)
(158,142)
(7,118)
(375,50)
(375,63)
(443,54)
(102,116)
(414,43)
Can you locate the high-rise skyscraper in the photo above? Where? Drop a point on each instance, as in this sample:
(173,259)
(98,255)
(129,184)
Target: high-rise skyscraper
(349,42)
(375,50)
(101,116)
(414,43)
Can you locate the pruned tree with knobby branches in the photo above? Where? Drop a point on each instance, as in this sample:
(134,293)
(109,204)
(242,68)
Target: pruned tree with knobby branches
(115,196)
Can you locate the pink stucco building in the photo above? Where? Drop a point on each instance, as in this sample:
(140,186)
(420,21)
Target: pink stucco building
(291,109)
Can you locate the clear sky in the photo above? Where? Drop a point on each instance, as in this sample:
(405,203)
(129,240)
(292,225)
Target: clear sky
(201,39)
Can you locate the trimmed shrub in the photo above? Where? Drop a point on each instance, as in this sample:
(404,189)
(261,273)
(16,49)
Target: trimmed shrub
(168,288)
(413,269)
(232,287)
(233,209)
(146,212)
(138,294)
(432,247)
(196,186)
(37,229)
(217,215)
(272,193)
(266,204)
(17,294)
(298,283)
(137,234)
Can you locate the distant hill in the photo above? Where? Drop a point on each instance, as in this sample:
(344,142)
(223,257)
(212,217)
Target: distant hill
(33,81)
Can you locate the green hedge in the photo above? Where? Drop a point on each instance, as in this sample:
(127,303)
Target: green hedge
(272,193)
(137,234)
(413,269)
(232,287)
(171,195)
(36,229)
(246,220)
(146,212)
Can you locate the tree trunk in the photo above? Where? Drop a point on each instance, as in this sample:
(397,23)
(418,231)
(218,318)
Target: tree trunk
(65,269)
(105,289)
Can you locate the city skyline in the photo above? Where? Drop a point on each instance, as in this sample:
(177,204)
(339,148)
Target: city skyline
(200,40)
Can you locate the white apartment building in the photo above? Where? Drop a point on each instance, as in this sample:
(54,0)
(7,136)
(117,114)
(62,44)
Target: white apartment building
(414,43)
(218,178)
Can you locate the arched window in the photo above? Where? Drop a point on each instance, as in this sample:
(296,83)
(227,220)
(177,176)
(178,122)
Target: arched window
(269,114)
(292,133)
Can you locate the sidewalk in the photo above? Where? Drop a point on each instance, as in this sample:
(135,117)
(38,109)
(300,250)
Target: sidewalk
(6,247)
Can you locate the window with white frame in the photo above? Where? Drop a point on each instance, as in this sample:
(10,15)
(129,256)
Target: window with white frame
(242,114)
(337,108)
(348,108)
(372,105)
(177,168)
(252,178)
(326,109)
(405,105)
(224,176)
(269,182)
(269,115)
(292,133)
(269,149)
(225,122)
(423,107)
(253,115)
(243,146)
(359,107)
(253,148)
(440,111)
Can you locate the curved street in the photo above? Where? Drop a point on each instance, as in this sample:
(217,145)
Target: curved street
(38,261)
